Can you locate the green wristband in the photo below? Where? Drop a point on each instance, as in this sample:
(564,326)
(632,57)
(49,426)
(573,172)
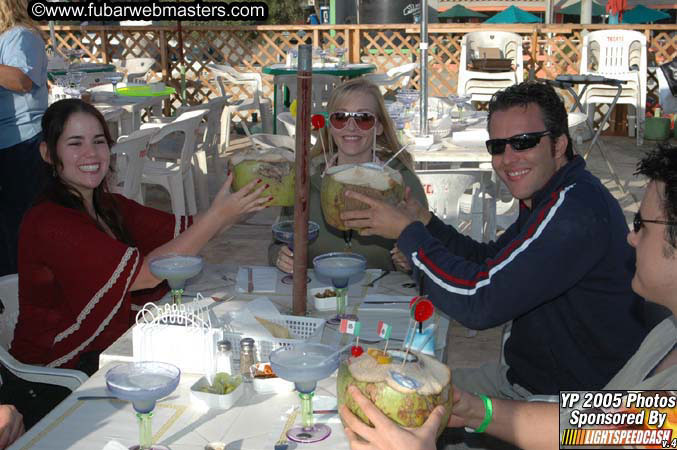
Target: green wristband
(488,414)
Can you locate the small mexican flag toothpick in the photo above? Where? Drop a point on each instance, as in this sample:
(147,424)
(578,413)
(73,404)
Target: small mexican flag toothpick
(352,327)
(384,331)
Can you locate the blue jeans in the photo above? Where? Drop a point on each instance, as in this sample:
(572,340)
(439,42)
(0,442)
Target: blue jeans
(22,175)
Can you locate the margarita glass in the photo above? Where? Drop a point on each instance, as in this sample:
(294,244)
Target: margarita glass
(284,232)
(143,383)
(176,269)
(339,267)
(114,78)
(305,364)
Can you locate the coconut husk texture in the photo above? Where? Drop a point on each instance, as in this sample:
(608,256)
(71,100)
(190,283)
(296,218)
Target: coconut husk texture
(386,185)
(275,169)
(407,407)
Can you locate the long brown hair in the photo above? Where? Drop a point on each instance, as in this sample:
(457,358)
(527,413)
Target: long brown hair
(14,13)
(387,142)
(56,190)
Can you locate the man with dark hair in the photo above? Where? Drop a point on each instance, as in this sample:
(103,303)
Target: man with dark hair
(534,425)
(561,272)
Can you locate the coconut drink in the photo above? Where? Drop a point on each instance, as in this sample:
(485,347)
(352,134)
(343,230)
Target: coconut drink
(407,393)
(275,166)
(368,179)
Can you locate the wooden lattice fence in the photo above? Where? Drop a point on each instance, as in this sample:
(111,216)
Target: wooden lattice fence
(548,50)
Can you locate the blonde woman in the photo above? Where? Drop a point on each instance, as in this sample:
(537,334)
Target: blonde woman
(359,130)
(23,100)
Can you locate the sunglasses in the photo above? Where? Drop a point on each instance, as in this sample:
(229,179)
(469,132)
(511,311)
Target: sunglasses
(364,120)
(639,221)
(519,142)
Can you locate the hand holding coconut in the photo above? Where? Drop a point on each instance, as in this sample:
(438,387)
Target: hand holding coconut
(231,207)
(386,434)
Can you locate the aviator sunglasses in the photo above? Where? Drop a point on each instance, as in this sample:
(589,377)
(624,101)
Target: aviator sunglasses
(518,142)
(364,120)
(639,221)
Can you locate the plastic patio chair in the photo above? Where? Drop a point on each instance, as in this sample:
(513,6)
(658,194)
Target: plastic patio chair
(621,55)
(322,87)
(131,156)
(176,176)
(225,75)
(481,85)
(136,69)
(396,77)
(9,295)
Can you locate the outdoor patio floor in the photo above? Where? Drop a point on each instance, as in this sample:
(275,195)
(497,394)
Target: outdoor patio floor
(247,243)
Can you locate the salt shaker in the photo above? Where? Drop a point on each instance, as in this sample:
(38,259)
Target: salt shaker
(224,357)
(247,356)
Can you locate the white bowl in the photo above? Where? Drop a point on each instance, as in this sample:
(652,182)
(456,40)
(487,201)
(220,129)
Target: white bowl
(269,385)
(323,303)
(206,400)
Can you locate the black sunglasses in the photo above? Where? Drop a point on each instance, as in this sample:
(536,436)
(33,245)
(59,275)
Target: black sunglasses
(638,221)
(518,142)
(364,120)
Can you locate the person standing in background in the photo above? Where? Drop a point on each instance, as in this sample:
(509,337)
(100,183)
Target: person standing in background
(23,101)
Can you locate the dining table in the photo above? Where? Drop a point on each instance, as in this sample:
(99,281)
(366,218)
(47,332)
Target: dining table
(82,67)
(133,106)
(90,418)
(348,70)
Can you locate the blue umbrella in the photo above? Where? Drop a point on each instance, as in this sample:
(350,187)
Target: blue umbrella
(642,14)
(575,9)
(513,14)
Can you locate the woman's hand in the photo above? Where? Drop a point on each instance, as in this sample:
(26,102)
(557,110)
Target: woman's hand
(386,434)
(399,260)
(231,207)
(285,260)
(11,425)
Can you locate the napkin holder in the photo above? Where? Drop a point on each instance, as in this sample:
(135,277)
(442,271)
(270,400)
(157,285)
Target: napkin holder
(177,334)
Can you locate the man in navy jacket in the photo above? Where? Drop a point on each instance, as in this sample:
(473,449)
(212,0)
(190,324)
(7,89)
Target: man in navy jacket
(561,272)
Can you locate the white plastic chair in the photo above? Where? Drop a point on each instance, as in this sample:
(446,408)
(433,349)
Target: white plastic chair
(444,189)
(225,74)
(9,295)
(482,85)
(322,87)
(396,77)
(618,54)
(267,140)
(131,156)
(176,176)
(289,122)
(136,69)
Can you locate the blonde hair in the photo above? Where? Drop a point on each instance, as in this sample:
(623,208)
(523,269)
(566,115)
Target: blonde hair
(14,13)
(387,142)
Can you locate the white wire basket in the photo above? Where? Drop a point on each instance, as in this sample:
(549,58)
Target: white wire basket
(301,328)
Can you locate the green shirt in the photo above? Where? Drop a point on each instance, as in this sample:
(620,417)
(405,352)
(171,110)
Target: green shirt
(375,248)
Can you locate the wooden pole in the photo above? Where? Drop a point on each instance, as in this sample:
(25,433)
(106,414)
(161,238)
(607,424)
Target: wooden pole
(302,187)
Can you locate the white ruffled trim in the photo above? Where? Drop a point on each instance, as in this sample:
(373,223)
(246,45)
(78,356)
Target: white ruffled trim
(64,359)
(92,303)
(178,221)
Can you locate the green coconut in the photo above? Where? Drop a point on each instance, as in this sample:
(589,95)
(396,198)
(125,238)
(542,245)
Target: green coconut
(275,166)
(386,185)
(408,405)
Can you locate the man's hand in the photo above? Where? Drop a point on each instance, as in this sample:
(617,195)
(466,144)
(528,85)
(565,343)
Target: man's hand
(386,434)
(11,425)
(379,219)
(413,208)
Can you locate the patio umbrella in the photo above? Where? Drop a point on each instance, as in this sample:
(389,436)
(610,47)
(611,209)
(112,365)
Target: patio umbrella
(513,14)
(575,9)
(459,11)
(642,14)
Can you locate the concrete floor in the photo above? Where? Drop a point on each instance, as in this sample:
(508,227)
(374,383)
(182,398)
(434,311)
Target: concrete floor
(247,242)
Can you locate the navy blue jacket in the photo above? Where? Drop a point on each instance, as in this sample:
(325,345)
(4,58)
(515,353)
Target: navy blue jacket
(562,273)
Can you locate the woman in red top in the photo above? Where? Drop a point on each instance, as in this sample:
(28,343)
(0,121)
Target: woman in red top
(84,252)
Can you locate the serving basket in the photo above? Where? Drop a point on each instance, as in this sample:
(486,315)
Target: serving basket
(302,328)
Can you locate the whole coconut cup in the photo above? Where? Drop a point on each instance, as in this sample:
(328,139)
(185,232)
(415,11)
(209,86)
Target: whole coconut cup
(386,185)
(275,166)
(409,403)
